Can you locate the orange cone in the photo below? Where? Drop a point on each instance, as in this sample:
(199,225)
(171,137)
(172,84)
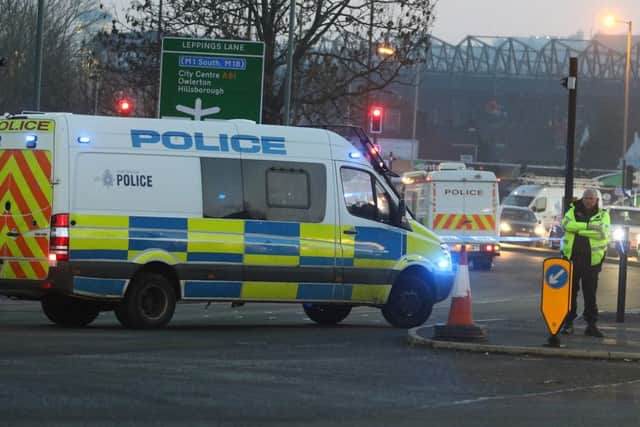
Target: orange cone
(460,325)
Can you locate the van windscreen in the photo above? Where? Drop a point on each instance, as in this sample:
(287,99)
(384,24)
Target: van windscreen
(516,200)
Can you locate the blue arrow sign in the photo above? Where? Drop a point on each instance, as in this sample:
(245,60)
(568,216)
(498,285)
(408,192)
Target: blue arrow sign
(557,276)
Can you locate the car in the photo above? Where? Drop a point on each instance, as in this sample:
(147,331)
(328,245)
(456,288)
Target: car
(521,222)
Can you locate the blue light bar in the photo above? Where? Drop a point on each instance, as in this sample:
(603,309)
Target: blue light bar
(355,155)
(84,139)
(32,141)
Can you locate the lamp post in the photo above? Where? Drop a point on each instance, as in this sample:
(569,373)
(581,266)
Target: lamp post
(609,21)
(414,149)
(289,77)
(37,77)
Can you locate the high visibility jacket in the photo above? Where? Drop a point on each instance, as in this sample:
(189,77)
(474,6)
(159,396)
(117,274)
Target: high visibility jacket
(598,239)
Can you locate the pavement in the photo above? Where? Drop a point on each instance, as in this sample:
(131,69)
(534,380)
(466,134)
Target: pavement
(621,341)
(530,337)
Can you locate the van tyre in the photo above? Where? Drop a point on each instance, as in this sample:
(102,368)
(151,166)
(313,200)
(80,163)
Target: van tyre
(327,314)
(410,302)
(69,312)
(149,303)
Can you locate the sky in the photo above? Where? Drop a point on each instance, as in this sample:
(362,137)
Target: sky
(455,19)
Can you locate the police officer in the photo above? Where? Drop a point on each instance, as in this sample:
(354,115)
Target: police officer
(585,243)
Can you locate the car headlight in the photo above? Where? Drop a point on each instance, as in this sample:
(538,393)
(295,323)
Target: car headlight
(505,226)
(618,234)
(540,230)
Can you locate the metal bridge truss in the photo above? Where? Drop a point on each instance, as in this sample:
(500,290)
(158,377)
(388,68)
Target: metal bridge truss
(511,57)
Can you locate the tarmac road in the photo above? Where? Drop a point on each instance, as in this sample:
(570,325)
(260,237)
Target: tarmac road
(267,365)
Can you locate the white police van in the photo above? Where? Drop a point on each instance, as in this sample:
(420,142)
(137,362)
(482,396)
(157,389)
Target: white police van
(133,215)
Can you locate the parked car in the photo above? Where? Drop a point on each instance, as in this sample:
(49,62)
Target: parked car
(521,222)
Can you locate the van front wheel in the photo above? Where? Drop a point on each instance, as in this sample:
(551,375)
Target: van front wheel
(327,314)
(149,302)
(410,302)
(69,312)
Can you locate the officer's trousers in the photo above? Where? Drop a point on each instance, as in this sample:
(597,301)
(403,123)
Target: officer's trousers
(585,276)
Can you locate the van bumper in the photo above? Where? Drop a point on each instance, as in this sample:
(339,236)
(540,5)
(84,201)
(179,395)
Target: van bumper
(443,284)
(59,280)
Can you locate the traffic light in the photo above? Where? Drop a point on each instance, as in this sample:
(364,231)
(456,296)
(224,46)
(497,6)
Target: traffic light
(375,116)
(629,175)
(124,106)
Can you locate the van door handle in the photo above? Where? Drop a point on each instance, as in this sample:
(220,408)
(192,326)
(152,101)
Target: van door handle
(352,232)
(13,234)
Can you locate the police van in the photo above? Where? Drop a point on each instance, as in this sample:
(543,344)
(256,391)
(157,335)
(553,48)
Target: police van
(133,215)
(461,205)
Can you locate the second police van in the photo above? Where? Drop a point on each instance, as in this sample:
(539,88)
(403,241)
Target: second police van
(133,215)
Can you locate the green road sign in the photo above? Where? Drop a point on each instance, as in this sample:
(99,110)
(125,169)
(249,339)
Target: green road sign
(211,79)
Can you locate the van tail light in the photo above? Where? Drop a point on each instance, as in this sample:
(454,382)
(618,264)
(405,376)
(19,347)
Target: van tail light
(491,248)
(59,238)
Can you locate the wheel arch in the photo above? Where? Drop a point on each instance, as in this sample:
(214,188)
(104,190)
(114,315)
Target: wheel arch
(162,268)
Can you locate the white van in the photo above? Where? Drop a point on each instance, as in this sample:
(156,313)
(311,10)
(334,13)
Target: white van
(461,205)
(545,200)
(132,215)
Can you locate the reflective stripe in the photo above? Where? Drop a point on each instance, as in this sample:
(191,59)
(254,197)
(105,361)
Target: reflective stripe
(25,191)
(464,222)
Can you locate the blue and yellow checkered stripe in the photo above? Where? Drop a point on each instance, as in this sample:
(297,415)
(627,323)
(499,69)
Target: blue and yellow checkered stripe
(96,237)
(261,291)
(243,242)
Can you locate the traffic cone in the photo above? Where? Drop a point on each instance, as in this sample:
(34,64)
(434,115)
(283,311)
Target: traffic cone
(460,325)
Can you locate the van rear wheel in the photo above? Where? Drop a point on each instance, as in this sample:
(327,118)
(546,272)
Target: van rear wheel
(69,312)
(410,302)
(327,314)
(149,303)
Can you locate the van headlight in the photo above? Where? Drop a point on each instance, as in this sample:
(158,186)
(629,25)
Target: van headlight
(540,230)
(505,226)
(444,260)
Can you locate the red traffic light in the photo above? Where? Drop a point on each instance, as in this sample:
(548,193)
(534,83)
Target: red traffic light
(124,106)
(375,125)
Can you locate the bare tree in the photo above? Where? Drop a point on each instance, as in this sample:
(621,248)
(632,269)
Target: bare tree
(334,60)
(64,74)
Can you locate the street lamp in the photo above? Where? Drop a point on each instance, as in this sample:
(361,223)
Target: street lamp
(609,21)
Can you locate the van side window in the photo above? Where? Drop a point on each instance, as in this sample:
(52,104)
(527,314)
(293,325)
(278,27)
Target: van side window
(222,188)
(364,196)
(284,191)
(287,188)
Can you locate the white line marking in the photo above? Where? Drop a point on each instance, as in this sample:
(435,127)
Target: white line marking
(528,395)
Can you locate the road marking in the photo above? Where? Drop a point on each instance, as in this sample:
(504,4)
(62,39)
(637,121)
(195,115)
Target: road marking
(528,395)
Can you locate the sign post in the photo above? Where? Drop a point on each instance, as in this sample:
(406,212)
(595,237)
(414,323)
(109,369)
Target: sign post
(211,79)
(557,279)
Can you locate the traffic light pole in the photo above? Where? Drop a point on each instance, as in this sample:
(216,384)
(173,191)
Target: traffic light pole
(623,250)
(572,85)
